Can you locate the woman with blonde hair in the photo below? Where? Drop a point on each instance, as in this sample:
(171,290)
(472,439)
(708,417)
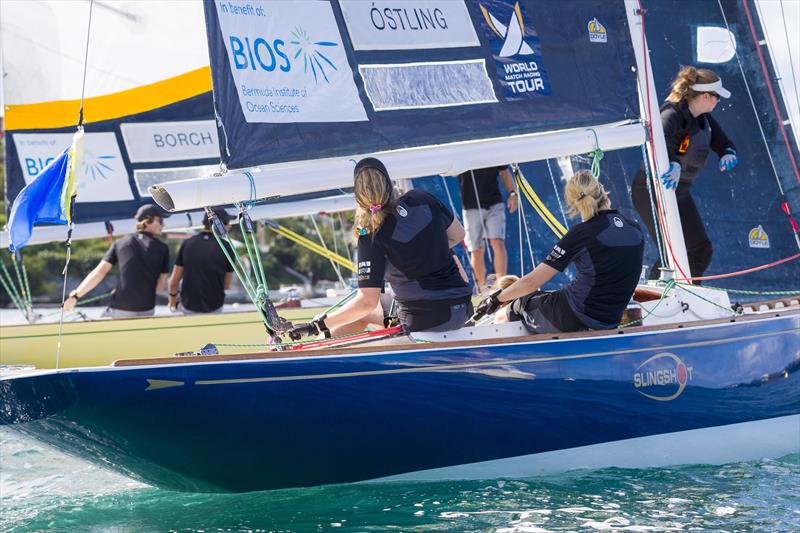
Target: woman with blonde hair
(690,133)
(406,241)
(606,249)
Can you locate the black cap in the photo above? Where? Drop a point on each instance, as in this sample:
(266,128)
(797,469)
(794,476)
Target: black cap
(150,210)
(370,162)
(221,214)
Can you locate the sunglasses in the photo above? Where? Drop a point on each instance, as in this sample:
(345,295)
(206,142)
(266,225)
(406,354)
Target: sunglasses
(715,95)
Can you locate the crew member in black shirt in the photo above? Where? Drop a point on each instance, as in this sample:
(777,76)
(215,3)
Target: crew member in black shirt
(406,241)
(143,262)
(690,133)
(607,251)
(204,269)
(485,217)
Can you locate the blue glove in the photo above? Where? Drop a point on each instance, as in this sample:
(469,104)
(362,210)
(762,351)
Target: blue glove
(728,161)
(671,177)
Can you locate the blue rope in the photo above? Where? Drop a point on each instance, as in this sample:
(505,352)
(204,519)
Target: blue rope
(253,195)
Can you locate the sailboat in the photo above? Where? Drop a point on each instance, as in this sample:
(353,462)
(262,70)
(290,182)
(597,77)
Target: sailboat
(323,83)
(147,118)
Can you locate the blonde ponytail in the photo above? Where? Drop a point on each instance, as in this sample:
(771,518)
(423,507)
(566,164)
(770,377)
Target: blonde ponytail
(374,194)
(688,76)
(585,195)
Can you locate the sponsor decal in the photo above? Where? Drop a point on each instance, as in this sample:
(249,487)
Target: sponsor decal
(105,177)
(555,254)
(618,222)
(597,32)
(515,49)
(288,62)
(402,211)
(662,377)
(684,144)
(408,24)
(364,270)
(758,238)
(170,141)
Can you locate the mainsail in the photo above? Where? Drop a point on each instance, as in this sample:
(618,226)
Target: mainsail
(434,87)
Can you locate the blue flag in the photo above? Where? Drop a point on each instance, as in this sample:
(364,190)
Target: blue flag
(47,198)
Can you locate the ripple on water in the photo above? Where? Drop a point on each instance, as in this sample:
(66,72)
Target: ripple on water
(57,493)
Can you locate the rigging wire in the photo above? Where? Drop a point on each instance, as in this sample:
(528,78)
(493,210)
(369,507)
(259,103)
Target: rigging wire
(746,271)
(480,213)
(791,59)
(325,246)
(558,197)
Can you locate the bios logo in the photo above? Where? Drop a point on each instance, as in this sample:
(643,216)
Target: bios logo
(663,376)
(261,54)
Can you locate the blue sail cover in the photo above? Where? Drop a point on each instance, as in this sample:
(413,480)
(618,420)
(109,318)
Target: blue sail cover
(297,80)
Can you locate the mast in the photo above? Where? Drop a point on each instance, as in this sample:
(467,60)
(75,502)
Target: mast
(670,223)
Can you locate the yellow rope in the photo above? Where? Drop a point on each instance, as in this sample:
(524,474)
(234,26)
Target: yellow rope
(548,217)
(311,245)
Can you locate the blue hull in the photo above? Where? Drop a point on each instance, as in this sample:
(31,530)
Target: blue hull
(263,424)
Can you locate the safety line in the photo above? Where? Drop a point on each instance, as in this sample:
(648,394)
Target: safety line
(742,272)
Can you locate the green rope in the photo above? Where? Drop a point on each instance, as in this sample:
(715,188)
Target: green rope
(795,292)
(597,156)
(27,285)
(726,309)
(288,343)
(255,262)
(26,297)
(243,279)
(668,287)
(341,302)
(10,288)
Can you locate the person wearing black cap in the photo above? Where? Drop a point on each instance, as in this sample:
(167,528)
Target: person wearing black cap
(204,269)
(405,241)
(143,262)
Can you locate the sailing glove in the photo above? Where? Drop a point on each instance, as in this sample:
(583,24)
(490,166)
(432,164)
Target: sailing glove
(728,161)
(488,305)
(307,329)
(671,177)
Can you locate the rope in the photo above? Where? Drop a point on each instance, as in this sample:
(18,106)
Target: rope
(521,209)
(742,272)
(311,245)
(311,341)
(649,126)
(656,225)
(750,94)
(8,284)
(789,48)
(558,197)
(668,287)
(769,87)
(253,195)
(551,221)
(744,291)
(344,232)
(85,63)
(597,156)
(334,264)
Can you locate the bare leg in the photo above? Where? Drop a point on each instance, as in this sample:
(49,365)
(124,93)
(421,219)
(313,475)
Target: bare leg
(500,261)
(478,267)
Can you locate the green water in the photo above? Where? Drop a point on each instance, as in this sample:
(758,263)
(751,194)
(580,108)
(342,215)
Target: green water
(43,490)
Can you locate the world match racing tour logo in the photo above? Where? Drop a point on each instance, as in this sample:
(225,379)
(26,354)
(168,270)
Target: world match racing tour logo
(514,48)
(662,373)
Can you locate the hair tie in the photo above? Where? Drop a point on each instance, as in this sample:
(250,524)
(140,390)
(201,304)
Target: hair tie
(374,208)
(363,231)
(581,195)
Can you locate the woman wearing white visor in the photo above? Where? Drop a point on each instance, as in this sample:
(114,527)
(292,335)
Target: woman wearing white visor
(690,133)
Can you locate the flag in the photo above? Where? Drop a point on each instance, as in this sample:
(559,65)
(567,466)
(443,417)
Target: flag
(48,198)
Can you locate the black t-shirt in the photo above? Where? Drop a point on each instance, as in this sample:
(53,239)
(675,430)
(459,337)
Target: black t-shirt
(411,251)
(204,267)
(486,183)
(141,259)
(607,252)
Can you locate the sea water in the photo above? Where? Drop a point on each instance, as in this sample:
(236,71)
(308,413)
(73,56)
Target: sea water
(43,490)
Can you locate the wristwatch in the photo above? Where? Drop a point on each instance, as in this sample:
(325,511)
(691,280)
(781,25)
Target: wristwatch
(512,193)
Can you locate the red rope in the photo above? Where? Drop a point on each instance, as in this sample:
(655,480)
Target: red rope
(741,272)
(331,343)
(662,212)
(769,86)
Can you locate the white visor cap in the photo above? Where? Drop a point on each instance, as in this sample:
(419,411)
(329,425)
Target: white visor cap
(715,87)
